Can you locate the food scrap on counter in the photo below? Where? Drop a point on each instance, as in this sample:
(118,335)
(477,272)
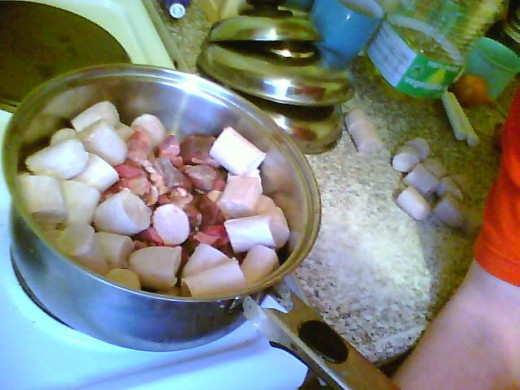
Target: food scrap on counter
(363,132)
(147,210)
(429,188)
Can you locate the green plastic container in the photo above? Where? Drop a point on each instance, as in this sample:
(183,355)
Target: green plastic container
(495,63)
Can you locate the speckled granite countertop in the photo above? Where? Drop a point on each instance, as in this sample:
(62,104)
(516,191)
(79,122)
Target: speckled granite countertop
(376,275)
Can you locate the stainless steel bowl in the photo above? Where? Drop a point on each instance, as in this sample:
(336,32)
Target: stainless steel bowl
(186,104)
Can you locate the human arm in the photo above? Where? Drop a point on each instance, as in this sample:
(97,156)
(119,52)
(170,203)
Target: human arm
(474,343)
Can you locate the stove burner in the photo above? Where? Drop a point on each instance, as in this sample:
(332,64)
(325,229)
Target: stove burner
(31,295)
(40,42)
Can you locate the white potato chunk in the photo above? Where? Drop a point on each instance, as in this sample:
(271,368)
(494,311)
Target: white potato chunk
(62,135)
(236,153)
(265,205)
(98,173)
(172,291)
(421,145)
(78,242)
(124,277)
(267,230)
(101,138)
(259,262)
(253,173)
(356,116)
(124,131)
(43,198)
(413,203)
(53,234)
(279,227)
(171,223)
(156,266)
(81,201)
(203,257)
(406,158)
(450,211)
(152,126)
(448,186)
(100,111)
(62,160)
(122,213)
(240,196)
(116,247)
(365,137)
(226,278)
(434,166)
(421,179)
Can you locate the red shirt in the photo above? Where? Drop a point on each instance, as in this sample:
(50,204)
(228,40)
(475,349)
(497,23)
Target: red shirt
(497,249)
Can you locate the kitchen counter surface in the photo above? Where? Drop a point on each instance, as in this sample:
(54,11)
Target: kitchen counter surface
(376,275)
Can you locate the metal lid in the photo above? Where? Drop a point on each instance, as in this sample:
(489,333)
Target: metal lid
(265,29)
(273,77)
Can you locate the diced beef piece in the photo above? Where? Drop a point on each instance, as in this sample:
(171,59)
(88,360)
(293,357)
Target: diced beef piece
(195,150)
(139,147)
(202,176)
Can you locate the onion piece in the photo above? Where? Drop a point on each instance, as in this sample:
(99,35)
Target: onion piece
(62,135)
(235,153)
(151,125)
(43,198)
(101,138)
(203,257)
(171,223)
(81,201)
(116,247)
(100,111)
(259,262)
(62,160)
(156,266)
(122,213)
(124,277)
(98,173)
(225,278)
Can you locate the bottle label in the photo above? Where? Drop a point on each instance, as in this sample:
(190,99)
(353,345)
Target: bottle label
(407,70)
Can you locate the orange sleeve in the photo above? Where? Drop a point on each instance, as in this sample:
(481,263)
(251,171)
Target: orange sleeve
(497,248)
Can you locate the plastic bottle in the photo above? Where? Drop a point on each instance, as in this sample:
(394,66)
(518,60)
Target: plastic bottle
(421,46)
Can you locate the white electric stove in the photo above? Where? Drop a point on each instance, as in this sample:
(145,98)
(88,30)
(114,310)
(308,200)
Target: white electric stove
(38,352)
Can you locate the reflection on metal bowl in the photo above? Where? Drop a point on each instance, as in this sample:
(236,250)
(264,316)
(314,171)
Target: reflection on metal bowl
(313,129)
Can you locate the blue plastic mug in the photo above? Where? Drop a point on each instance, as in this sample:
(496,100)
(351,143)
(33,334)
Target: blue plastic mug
(346,27)
(495,63)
